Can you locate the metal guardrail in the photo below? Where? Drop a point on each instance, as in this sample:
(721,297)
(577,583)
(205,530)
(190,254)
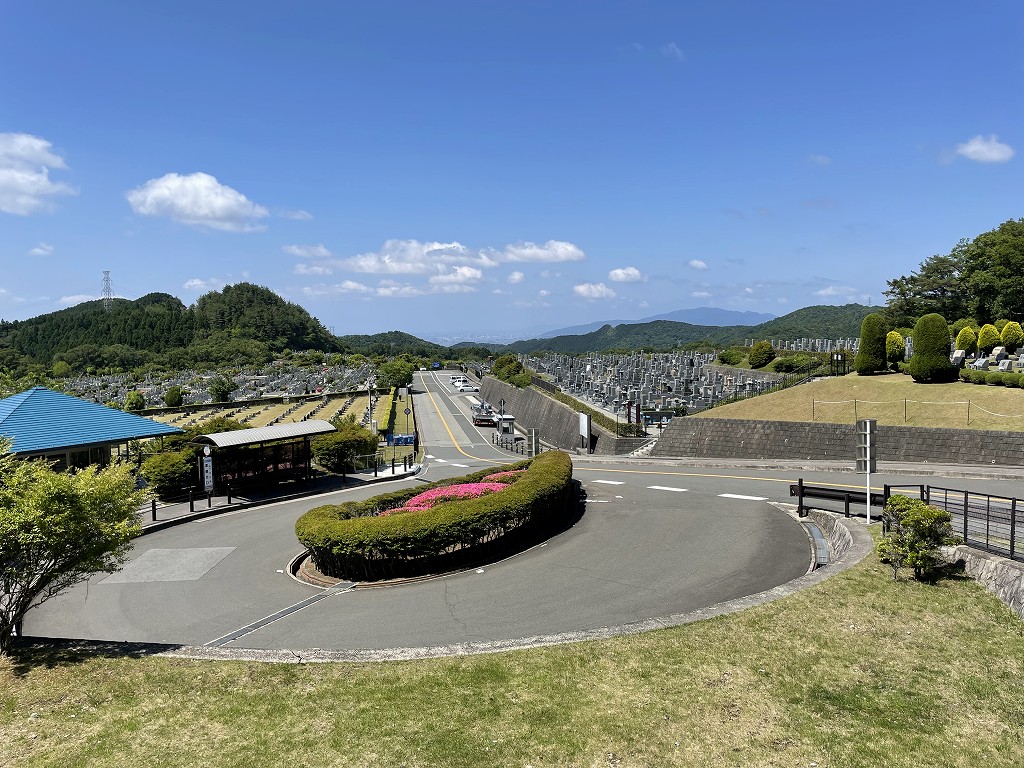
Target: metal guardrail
(982,520)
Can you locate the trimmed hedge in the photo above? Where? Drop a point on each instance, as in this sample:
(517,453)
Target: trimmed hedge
(352,541)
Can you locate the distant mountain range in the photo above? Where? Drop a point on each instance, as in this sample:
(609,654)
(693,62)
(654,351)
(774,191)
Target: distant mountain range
(695,316)
(822,321)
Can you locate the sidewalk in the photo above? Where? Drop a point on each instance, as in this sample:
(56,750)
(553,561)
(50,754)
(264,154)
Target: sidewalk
(168,515)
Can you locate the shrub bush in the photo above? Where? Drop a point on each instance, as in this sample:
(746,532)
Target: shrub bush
(356,541)
(731,356)
(988,338)
(965,375)
(966,340)
(1012,336)
(1011,379)
(995,378)
(760,354)
(895,349)
(168,473)
(915,533)
(336,451)
(930,363)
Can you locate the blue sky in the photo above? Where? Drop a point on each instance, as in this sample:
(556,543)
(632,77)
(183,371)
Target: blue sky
(496,169)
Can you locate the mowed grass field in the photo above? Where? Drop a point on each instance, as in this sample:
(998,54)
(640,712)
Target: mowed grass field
(893,399)
(857,671)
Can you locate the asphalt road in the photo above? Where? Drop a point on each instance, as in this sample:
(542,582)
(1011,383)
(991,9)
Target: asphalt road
(655,540)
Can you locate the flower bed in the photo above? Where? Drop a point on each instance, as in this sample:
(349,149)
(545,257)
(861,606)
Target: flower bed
(377,539)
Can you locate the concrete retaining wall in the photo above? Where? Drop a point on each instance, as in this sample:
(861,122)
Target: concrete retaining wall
(748,439)
(559,424)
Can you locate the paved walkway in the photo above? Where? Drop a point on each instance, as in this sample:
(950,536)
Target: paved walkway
(157,516)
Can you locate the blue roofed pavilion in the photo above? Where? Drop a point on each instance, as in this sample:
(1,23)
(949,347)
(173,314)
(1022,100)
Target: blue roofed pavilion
(73,432)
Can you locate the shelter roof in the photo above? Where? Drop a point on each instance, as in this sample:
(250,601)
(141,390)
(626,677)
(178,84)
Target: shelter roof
(269,434)
(40,419)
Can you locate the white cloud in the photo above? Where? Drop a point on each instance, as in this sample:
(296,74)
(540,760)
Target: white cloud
(543,292)
(672,51)
(25,164)
(516,277)
(299,215)
(318,251)
(985,150)
(389,289)
(626,275)
(457,276)
(42,249)
(198,284)
(78,298)
(551,251)
(594,291)
(697,264)
(820,159)
(312,269)
(406,257)
(199,200)
(700,295)
(835,290)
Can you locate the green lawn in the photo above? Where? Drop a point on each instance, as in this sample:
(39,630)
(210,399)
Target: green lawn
(892,399)
(857,671)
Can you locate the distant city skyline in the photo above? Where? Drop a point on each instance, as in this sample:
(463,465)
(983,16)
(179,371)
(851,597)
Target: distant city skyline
(495,171)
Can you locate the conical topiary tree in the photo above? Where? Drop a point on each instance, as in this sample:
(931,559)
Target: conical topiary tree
(988,338)
(1012,336)
(930,363)
(966,340)
(871,355)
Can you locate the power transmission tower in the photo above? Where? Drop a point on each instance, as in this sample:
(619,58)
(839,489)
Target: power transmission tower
(108,291)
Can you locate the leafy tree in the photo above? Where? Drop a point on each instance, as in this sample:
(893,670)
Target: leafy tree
(993,272)
(731,356)
(895,349)
(930,362)
(916,532)
(134,401)
(221,389)
(871,356)
(394,374)
(61,370)
(57,529)
(174,397)
(966,340)
(761,353)
(959,325)
(336,451)
(169,473)
(1012,336)
(988,338)
(937,287)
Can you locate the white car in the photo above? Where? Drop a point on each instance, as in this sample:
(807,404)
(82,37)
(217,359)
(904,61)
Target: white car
(468,388)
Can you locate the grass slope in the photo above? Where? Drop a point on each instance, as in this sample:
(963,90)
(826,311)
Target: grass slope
(857,671)
(892,399)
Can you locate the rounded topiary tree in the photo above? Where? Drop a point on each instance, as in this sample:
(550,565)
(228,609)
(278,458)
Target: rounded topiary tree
(930,363)
(988,338)
(966,340)
(1012,336)
(895,349)
(760,354)
(871,355)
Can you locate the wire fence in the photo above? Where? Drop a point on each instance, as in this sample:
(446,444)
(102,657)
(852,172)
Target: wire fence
(909,411)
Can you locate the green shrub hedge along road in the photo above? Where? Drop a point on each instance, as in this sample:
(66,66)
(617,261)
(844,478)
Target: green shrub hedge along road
(354,541)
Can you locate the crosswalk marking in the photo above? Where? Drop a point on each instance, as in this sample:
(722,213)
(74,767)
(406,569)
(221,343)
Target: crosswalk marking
(739,496)
(609,482)
(666,488)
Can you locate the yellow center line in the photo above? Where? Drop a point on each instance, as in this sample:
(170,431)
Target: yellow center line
(447,429)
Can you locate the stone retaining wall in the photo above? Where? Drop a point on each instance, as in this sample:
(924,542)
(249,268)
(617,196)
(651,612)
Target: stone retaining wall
(749,439)
(1002,577)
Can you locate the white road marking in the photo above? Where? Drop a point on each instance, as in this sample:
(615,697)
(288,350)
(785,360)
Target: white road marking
(609,482)
(428,456)
(441,461)
(598,501)
(666,488)
(453,464)
(739,496)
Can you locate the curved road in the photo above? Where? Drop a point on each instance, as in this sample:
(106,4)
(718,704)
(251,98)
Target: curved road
(653,541)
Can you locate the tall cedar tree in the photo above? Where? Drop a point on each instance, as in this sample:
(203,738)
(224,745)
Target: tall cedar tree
(871,356)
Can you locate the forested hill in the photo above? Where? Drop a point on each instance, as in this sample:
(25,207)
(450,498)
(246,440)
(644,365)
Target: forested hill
(823,321)
(242,322)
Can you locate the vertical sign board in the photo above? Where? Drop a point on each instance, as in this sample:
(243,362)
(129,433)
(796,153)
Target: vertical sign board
(585,431)
(207,464)
(867,455)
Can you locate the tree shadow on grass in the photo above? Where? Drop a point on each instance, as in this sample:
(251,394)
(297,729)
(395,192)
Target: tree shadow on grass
(30,653)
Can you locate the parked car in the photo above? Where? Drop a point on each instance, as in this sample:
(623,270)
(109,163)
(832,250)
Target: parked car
(468,388)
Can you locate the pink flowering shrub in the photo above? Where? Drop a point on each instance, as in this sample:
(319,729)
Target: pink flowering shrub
(428,499)
(509,476)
